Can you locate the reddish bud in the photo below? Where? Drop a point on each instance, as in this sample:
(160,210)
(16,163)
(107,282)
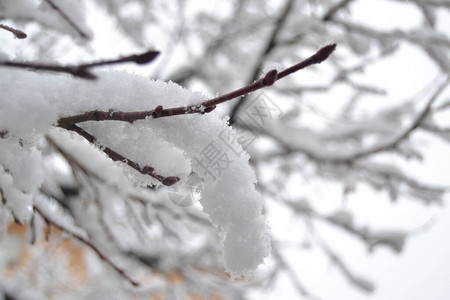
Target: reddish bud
(157,112)
(20,34)
(170,180)
(147,170)
(270,78)
(209,109)
(324,52)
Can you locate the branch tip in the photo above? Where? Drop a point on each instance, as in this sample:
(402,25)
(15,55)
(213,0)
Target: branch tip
(17,33)
(324,52)
(145,57)
(171,180)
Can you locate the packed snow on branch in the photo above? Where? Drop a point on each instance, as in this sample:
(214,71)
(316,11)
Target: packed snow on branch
(31,104)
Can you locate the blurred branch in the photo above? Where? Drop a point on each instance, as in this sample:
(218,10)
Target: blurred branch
(433,3)
(334,9)
(83,70)
(271,44)
(291,274)
(356,280)
(67,19)
(229,31)
(407,132)
(87,243)
(17,33)
(311,142)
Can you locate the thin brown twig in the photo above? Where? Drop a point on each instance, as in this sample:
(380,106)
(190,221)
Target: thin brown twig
(146,170)
(17,33)
(87,243)
(83,70)
(204,107)
(207,106)
(68,20)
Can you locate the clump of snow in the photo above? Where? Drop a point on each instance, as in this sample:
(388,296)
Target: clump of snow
(32,103)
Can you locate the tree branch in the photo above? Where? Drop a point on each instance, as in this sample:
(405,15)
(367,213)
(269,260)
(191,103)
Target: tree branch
(17,33)
(67,19)
(83,70)
(204,107)
(146,170)
(272,43)
(87,243)
(334,9)
(207,106)
(344,157)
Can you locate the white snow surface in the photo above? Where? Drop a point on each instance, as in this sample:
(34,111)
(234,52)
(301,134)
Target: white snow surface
(31,104)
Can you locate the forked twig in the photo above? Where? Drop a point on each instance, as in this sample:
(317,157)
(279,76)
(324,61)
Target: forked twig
(204,107)
(207,106)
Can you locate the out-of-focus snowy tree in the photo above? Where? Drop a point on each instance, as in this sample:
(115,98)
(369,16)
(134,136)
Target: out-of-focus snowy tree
(97,197)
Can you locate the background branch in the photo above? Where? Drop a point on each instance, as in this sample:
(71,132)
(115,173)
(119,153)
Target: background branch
(83,70)
(87,243)
(204,107)
(67,19)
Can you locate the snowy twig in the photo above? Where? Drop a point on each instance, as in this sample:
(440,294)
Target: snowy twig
(68,20)
(82,70)
(146,170)
(204,107)
(87,243)
(17,33)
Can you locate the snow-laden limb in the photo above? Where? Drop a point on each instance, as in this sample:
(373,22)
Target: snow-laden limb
(229,196)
